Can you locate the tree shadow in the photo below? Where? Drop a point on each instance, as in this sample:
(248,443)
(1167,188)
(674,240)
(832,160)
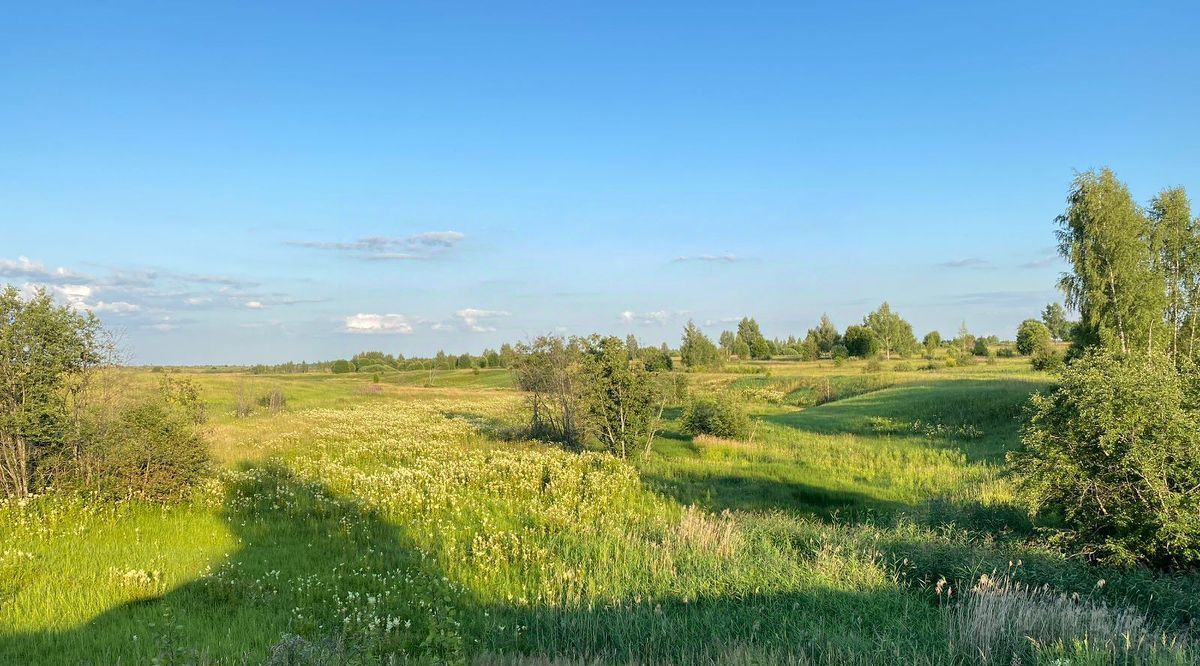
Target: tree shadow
(717,492)
(307,561)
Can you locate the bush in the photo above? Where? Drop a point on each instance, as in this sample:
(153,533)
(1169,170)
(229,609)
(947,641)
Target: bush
(274,401)
(1032,337)
(152,450)
(341,366)
(873,365)
(719,416)
(1006,352)
(903,366)
(981,347)
(1113,458)
(840,352)
(1046,359)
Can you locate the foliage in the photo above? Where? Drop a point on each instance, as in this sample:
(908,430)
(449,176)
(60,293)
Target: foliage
(46,352)
(980,348)
(895,335)
(1054,316)
(341,367)
(860,341)
(1113,284)
(825,335)
(152,451)
(655,359)
(1047,360)
(716,415)
(749,334)
(931,343)
(696,351)
(1032,336)
(1114,456)
(617,396)
(547,371)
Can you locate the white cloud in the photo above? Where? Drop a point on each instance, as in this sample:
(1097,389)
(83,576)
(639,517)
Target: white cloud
(116,307)
(479,321)
(381,248)
(198,300)
(658,317)
(377,323)
(255,305)
(27,268)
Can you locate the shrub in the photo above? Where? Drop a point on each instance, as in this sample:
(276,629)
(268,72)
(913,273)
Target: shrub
(1032,337)
(1113,456)
(151,450)
(1006,352)
(1047,359)
(274,401)
(873,365)
(341,366)
(981,347)
(719,416)
(903,366)
(840,352)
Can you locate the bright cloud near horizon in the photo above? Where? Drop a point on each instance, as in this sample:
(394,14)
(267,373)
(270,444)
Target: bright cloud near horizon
(408,178)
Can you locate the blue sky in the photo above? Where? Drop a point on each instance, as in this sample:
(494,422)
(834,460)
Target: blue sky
(250,182)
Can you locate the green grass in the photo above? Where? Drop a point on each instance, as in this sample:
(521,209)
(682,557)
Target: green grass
(369,520)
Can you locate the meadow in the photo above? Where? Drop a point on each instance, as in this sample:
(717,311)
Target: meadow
(403,518)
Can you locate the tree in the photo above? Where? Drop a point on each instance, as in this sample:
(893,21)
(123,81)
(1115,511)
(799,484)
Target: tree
(547,370)
(616,396)
(1113,457)
(810,349)
(727,341)
(655,359)
(860,341)
(826,335)
(341,366)
(893,333)
(1032,336)
(932,341)
(631,345)
(46,353)
(1113,285)
(1054,316)
(965,341)
(696,351)
(981,347)
(1175,251)
(749,333)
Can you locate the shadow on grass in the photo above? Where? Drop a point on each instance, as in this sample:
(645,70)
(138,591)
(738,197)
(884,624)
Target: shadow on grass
(321,580)
(981,417)
(749,492)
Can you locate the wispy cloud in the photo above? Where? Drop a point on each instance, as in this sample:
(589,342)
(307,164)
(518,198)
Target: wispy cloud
(24,267)
(384,248)
(377,323)
(708,258)
(479,321)
(974,263)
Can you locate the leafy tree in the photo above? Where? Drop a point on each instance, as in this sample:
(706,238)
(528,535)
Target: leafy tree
(697,351)
(547,371)
(341,366)
(1032,336)
(1054,316)
(728,340)
(655,359)
(46,352)
(631,344)
(860,341)
(981,347)
(826,335)
(741,349)
(749,333)
(810,349)
(616,396)
(932,341)
(1114,285)
(1113,458)
(507,355)
(965,341)
(1175,248)
(893,333)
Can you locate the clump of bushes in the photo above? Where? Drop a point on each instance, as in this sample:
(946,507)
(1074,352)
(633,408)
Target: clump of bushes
(1047,359)
(1112,460)
(274,401)
(152,450)
(717,415)
(873,365)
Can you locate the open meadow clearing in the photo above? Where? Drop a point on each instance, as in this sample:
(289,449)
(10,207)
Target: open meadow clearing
(391,520)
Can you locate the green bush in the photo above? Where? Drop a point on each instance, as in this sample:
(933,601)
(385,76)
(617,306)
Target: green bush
(341,366)
(1046,359)
(1006,352)
(151,450)
(1112,460)
(1032,337)
(873,365)
(981,347)
(719,416)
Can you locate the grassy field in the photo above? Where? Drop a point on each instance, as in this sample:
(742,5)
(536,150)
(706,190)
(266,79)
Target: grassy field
(867,519)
